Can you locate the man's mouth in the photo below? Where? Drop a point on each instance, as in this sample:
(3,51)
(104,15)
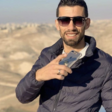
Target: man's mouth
(71,34)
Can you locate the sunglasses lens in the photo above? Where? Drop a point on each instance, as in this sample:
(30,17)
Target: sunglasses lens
(64,21)
(78,21)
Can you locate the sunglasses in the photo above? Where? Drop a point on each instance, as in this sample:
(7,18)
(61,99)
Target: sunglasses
(78,21)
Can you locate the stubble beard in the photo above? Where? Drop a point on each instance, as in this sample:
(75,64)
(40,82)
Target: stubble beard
(72,42)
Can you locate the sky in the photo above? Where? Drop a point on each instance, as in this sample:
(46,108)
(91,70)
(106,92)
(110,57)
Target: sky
(44,11)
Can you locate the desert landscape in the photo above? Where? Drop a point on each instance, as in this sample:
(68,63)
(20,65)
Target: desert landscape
(20,46)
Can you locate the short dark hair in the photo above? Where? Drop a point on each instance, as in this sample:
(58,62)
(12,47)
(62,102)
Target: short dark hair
(72,3)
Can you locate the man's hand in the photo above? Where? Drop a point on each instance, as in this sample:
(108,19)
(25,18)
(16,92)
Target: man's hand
(51,70)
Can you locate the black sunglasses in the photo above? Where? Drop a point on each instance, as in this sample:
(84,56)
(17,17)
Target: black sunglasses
(78,21)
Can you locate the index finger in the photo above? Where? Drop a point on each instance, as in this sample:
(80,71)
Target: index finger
(60,57)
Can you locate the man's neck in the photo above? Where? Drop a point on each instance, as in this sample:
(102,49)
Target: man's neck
(77,48)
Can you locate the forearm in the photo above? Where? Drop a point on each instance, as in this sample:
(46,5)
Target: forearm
(28,88)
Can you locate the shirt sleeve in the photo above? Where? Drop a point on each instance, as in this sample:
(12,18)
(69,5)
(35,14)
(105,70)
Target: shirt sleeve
(29,88)
(106,93)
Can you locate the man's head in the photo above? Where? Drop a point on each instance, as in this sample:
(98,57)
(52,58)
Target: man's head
(72,3)
(72,21)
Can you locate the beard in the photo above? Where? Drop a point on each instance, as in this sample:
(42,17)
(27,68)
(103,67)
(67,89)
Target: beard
(72,42)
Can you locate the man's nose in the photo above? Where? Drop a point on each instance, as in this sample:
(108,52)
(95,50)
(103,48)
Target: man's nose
(71,25)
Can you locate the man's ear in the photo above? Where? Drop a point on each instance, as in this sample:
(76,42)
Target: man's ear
(88,21)
(57,24)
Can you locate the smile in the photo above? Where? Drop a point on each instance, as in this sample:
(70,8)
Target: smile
(71,35)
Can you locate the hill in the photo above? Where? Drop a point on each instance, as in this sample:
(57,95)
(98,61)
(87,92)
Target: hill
(20,46)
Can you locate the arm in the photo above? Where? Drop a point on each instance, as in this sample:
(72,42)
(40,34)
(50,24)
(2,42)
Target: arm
(29,88)
(107,91)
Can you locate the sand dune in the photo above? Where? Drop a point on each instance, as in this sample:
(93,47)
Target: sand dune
(20,46)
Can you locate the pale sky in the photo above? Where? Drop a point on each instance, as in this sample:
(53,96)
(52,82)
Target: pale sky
(43,11)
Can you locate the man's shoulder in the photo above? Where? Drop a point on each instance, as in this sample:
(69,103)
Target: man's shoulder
(47,53)
(104,56)
(46,50)
(54,48)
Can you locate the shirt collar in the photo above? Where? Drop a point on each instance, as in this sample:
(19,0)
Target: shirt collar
(57,48)
(83,51)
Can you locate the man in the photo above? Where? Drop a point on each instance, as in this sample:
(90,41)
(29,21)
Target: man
(82,88)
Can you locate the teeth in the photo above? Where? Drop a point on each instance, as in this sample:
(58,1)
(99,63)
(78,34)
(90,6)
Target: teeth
(71,34)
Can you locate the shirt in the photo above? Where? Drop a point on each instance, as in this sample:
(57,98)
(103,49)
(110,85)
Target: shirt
(83,51)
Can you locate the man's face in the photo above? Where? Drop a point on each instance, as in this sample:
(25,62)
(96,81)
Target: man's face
(71,34)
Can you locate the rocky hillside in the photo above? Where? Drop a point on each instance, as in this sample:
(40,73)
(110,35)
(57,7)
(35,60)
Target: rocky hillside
(20,46)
